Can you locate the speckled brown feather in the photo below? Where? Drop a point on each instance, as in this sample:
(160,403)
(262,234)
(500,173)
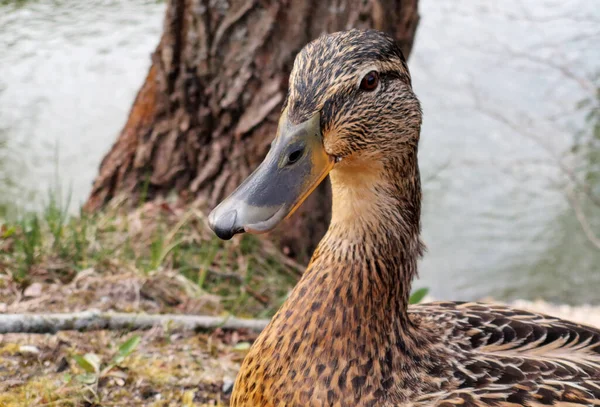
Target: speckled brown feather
(345,336)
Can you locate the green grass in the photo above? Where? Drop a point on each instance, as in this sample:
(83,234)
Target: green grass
(247,274)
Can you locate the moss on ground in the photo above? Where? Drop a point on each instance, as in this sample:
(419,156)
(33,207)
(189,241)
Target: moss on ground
(166,369)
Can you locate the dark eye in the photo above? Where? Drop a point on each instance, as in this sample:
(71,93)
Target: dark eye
(370,81)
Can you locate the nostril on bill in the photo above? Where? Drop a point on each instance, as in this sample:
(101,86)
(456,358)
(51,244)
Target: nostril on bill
(294,156)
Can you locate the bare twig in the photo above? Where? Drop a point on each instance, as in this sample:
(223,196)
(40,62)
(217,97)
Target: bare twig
(582,219)
(95,320)
(222,274)
(524,131)
(564,69)
(293,266)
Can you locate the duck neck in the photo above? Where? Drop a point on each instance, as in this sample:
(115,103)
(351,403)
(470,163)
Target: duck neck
(373,238)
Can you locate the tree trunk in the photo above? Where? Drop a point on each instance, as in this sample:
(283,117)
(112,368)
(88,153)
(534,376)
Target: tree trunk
(205,116)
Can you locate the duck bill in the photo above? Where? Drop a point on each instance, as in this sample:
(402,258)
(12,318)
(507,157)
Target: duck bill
(293,168)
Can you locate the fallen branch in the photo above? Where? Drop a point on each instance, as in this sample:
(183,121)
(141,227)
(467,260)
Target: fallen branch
(96,320)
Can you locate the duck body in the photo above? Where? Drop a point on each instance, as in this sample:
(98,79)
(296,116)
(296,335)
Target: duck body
(346,335)
(342,339)
(473,355)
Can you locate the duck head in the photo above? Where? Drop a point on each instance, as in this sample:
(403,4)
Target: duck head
(350,108)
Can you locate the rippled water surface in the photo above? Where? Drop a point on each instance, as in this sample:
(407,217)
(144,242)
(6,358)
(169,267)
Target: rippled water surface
(504,91)
(69,71)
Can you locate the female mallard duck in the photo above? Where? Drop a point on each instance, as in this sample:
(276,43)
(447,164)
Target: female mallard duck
(346,336)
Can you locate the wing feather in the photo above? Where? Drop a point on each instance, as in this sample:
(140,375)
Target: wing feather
(506,357)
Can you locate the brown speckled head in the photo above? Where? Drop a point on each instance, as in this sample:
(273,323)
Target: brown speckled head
(327,78)
(350,103)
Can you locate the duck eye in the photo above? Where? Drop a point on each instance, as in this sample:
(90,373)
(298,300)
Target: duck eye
(370,81)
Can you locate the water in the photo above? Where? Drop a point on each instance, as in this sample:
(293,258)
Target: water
(69,71)
(500,86)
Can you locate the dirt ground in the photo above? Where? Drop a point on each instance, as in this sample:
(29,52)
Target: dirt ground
(166,368)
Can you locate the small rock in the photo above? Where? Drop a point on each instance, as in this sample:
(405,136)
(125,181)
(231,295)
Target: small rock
(242,346)
(63,365)
(3,307)
(148,392)
(227,386)
(29,349)
(34,290)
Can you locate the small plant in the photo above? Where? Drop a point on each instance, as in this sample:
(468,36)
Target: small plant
(28,245)
(157,250)
(79,231)
(56,217)
(92,365)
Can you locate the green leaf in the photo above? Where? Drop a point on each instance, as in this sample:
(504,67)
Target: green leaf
(90,362)
(126,348)
(9,232)
(88,378)
(417,296)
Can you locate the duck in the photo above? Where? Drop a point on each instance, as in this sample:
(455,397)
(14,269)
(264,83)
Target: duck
(346,335)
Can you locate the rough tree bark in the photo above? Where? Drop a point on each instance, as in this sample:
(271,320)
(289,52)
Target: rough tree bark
(209,106)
